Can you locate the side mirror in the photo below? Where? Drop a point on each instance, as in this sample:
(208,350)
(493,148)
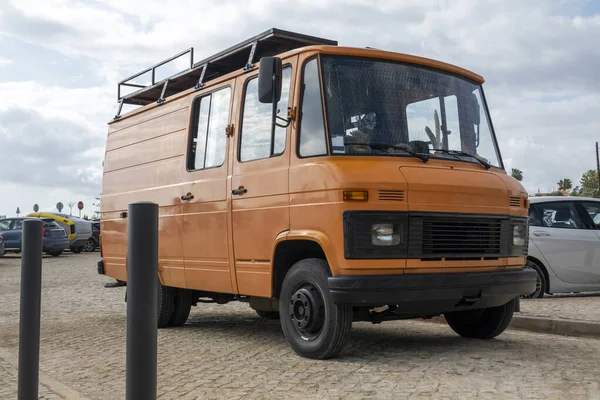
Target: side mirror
(269,80)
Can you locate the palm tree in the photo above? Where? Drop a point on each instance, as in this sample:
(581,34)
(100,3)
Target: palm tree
(565,184)
(517,174)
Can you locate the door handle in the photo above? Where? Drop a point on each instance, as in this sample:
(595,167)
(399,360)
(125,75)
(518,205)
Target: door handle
(187,197)
(541,233)
(240,190)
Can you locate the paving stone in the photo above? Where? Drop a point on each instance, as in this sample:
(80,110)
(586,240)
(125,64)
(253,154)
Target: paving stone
(227,352)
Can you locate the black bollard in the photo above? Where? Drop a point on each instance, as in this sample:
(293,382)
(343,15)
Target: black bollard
(142,301)
(30,306)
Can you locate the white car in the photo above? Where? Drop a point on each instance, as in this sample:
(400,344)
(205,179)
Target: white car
(564,244)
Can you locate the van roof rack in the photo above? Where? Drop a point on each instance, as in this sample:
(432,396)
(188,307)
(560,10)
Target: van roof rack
(242,55)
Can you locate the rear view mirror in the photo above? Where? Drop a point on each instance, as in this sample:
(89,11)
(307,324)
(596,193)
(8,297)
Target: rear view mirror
(269,80)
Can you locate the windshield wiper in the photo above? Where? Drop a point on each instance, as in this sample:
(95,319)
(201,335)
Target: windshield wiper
(423,157)
(456,153)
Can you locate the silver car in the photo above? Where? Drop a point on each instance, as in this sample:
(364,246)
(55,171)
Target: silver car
(564,244)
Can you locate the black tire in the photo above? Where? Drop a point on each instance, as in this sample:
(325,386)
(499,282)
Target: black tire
(89,246)
(166,305)
(485,323)
(182,306)
(268,314)
(76,250)
(540,284)
(313,325)
(55,253)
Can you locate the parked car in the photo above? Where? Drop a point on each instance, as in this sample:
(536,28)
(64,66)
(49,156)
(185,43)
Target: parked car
(94,241)
(54,237)
(78,230)
(564,244)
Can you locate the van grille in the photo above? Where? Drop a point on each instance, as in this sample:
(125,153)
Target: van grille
(391,195)
(515,202)
(458,237)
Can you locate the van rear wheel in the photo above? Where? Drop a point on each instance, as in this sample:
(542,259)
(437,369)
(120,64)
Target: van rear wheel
(181,308)
(166,305)
(485,323)
(313,325)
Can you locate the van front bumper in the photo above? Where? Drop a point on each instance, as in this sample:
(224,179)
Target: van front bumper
(432,293)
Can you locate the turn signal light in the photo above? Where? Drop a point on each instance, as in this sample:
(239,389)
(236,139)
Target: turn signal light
(356,195)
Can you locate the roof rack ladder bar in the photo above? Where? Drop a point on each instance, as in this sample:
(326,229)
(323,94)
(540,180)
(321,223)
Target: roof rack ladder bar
(200,83)
(118,115)
(161,99)
(250,63)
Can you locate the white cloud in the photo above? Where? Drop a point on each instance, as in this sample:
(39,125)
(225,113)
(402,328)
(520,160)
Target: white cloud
(539,60)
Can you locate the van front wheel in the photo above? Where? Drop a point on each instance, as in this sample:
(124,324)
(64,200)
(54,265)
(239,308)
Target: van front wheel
(313,325)
(485,323)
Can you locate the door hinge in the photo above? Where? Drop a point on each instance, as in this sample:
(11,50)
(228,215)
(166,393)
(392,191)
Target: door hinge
(291,113)
(229,130)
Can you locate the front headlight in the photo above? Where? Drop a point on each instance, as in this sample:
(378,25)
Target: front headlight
(384,235)
(375,234)
(519,232)
(518,245)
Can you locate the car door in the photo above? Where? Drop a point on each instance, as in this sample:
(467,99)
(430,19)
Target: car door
(204,205)
(13,236)
(591,210)
(260,184)
(566,240)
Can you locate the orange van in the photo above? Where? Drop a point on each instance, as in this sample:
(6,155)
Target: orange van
(323,185)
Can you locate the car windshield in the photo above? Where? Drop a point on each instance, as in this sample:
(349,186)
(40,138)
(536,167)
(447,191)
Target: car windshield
(3,226)
(380,107)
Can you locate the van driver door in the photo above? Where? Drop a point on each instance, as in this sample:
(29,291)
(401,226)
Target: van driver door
(260,183)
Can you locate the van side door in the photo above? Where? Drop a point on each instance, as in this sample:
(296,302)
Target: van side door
(260,182)
(204,202)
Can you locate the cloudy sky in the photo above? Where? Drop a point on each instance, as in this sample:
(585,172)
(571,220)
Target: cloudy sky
(60,61)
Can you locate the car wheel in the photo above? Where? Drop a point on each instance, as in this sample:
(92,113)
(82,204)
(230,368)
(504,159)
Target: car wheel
(485,323)
(267,314)
(181,308)
(313,325)
(55,253)
(90,245)
(76,250)
(540,282)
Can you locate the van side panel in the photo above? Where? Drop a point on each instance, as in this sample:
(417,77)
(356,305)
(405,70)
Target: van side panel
(144,161)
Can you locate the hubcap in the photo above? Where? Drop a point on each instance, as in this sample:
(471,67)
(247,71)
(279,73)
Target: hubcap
(89,245)
(306,310)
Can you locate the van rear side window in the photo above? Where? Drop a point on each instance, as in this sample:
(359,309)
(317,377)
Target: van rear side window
(210,116)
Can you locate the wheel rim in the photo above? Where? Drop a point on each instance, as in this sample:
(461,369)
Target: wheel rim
(89,245)
(538,284)
(307,311)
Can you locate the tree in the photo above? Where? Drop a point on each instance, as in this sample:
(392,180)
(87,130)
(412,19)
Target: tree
(517,174)
(565,184)
(589,184)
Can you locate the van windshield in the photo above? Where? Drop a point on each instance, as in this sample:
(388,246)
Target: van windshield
(380,107)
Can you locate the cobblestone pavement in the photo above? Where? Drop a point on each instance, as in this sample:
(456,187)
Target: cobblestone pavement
(585,306)
(227,352)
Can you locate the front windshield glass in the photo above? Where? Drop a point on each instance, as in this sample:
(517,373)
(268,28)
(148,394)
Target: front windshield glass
(382,107)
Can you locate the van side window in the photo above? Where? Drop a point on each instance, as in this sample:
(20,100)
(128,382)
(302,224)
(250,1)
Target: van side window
(255,140)
(312,130)
(210,115)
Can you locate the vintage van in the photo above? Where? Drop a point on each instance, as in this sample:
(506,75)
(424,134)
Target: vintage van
(323,185)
